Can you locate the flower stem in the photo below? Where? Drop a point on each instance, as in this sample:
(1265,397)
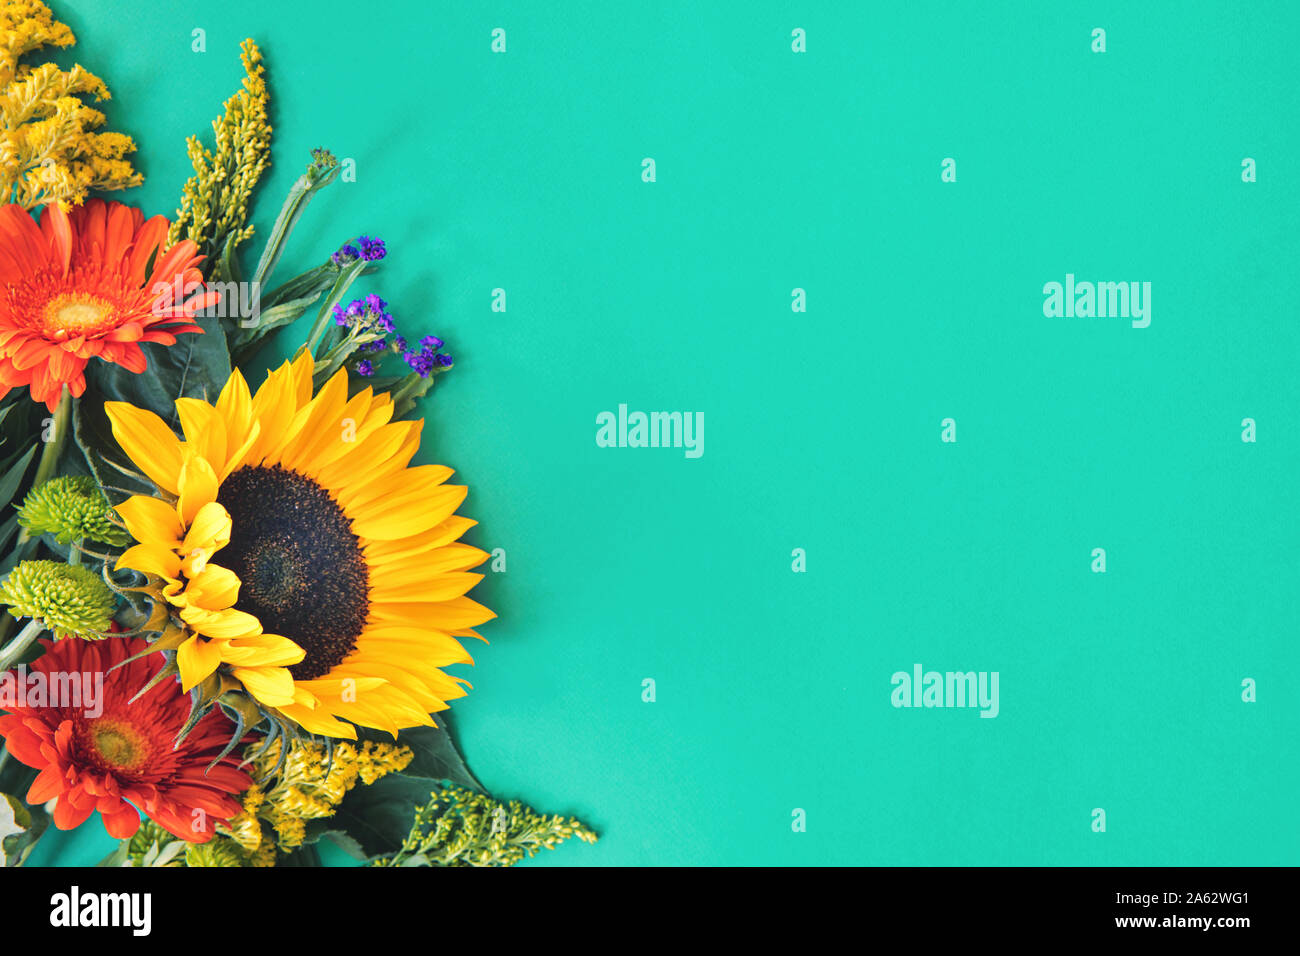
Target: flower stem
(15,648)
(54,447)
(346,277)
(52,451)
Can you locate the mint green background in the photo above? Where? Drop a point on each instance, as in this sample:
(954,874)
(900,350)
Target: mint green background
(821,171)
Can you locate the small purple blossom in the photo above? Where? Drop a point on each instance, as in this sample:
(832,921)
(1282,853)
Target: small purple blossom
(372,249)
(443,360)
(421,363)
(431,342)
(339,317)
(364,368)
(399,343)
(349,253)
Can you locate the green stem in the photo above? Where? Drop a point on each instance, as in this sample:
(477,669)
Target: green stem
(346,277)
(15,648)
(74,552)
(52,451)
(317,177)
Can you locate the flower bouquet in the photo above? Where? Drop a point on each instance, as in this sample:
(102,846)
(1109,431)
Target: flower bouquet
(231,595)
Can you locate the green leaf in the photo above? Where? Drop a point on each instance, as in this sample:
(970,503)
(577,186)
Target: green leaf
(15,470)
(345,843)
(118,857)
(197,366)
(379,816)
(320,173)
(436,755)
(318,279)
(20,827)
(268,320)
(115,473)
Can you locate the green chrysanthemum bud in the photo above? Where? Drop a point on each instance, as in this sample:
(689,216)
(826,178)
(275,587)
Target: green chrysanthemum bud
(219,851)
(70,507)
(70,600)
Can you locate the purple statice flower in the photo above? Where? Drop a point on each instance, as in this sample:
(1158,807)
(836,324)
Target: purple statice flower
(348,253)
(376,346)
(355,309)
(431,343)
(421,363)
(371,249)
(399,343)
(339,317)
(384,322)
(364,368)
(375,304)
(443,360)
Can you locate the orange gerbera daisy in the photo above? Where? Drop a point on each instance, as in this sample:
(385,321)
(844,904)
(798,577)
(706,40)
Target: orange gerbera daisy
(98,752)
(96,282)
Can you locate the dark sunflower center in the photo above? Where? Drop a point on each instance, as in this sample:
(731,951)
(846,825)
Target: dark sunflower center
(300,567)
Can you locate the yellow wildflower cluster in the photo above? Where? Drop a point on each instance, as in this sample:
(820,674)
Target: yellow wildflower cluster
(214,202)
(309,786)
(459,827)
(47,150)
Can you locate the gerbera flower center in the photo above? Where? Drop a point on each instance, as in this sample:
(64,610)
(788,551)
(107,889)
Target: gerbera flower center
(77,313)
(118,744)
(301,569)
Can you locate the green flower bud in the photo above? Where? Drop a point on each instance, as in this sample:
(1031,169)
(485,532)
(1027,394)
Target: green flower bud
(70,600)
(70,507)
(219,851)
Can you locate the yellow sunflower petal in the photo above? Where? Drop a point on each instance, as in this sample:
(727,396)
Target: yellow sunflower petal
(148,442)
(444,615)
(319,424)
(404,515)
(318,723)
(235,406)
(431,587)
(209,531)
(205,430)
(421,479)
(151,559)
(197,659)
(198,487)
(214,588)
(264,650)
(151,521)
(379,455)
(272,686)
(273,409)
(227,623)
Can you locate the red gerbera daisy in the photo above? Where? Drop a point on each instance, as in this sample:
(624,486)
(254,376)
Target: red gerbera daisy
(94,282)
(123,755)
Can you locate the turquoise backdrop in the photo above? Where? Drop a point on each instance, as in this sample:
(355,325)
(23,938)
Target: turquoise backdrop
(821,170)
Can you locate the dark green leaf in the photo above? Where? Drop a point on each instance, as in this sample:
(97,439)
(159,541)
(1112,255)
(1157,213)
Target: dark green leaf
(379,816)
(15,470)
(436,755)
(197,366)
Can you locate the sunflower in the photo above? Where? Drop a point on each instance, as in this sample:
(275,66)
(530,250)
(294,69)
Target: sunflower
(98,752)
(94,282)
(304,559)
